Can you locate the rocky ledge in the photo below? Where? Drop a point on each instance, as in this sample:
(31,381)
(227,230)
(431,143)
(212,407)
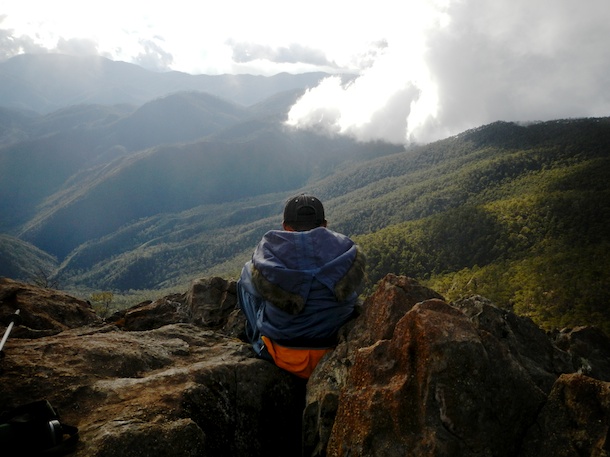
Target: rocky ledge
(413,375)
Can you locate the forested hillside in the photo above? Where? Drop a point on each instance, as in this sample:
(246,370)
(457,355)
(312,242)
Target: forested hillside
(123,198)
(518,214)
(22,260)
(523,222)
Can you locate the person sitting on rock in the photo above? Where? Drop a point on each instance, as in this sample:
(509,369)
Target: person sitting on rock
(300,288)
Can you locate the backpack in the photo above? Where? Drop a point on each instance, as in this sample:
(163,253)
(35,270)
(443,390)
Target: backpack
(34,429)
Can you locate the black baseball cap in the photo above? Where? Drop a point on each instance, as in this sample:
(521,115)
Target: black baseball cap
(304,208)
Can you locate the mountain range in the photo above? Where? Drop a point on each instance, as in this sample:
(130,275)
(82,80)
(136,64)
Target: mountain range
(115,178)
(47,82)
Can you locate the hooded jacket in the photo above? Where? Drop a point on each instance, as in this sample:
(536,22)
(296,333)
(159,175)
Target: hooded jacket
(307,282)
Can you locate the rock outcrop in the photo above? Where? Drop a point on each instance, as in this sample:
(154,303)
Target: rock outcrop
(44,312)
(152,382)
(412,375)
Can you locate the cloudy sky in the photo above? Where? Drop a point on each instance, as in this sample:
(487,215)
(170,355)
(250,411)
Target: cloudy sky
(426,69)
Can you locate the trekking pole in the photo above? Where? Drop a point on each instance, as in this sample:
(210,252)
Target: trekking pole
(8,330)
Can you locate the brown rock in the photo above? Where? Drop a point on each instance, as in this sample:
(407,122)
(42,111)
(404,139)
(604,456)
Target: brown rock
(155,314)
(589,348)
(42,311)
(210,301)
(575,420)
(129,392)
(393,298)
(435,379)
(527,342)
(438,387)
(174,390)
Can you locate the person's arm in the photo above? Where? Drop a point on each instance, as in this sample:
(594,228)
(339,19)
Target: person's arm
(354,277)
(245,280)
(250,302)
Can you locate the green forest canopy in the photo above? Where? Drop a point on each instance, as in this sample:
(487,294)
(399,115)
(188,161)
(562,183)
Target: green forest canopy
(532,236)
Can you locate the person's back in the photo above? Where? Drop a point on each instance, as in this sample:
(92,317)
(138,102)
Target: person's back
(300,288)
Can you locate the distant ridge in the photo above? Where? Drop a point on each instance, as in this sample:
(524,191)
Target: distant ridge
(82,172)
(48,82)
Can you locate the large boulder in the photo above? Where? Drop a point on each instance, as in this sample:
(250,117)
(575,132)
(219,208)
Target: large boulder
(589,348)
(414,375)
(393,298)
(209,302)
(575,420)
(437,387)
(42,311)
(527,343)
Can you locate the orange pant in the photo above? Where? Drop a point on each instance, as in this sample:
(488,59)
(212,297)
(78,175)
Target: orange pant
(300,362)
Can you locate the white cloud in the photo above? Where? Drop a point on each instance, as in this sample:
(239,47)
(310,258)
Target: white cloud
(77,46)
(294,53)
(542,60)
(478,62)
(153,56)
(427,68)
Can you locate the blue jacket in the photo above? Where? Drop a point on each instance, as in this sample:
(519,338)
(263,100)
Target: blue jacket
(306,282)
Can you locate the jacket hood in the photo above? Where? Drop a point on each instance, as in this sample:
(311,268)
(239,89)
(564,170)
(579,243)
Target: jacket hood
(291,261)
